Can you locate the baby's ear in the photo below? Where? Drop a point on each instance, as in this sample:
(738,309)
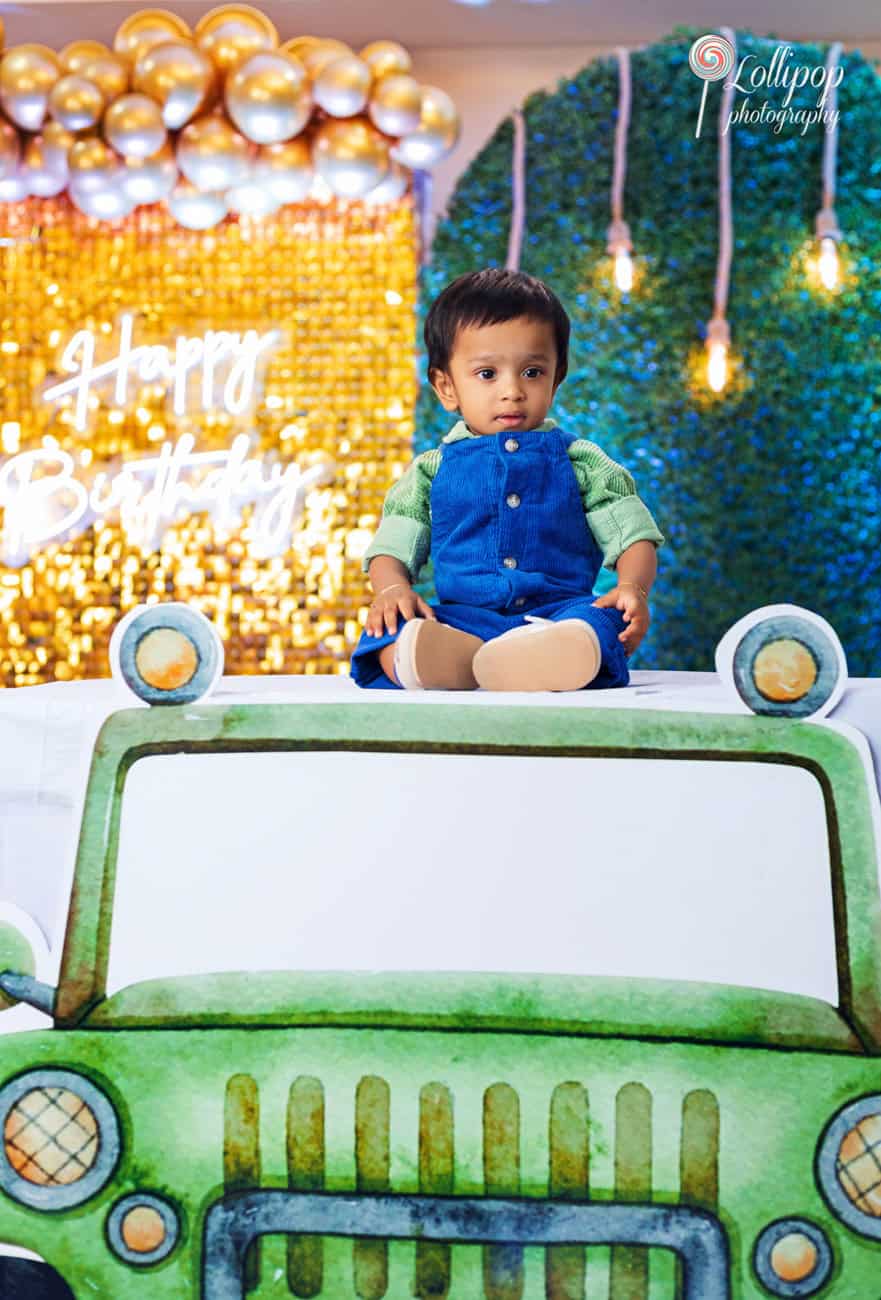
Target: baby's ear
(443,386)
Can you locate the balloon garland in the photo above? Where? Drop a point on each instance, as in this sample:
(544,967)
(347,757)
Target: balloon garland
(219,119)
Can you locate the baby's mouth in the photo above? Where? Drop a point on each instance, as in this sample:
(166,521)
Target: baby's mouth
(513,416)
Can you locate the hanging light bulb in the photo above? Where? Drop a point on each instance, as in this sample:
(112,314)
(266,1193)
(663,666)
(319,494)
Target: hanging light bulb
(619,245)
(827,232)
(624,270)
(828,265)
(718,342)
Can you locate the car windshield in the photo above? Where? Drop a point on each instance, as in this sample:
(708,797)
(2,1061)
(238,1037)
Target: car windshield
(713,871)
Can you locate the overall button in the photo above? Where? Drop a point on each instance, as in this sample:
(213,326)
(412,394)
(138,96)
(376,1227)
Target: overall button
(509,562)
(513,500)
(511,444)
(521,600)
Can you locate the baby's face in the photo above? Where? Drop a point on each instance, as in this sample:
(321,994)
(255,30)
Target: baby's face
(500,376)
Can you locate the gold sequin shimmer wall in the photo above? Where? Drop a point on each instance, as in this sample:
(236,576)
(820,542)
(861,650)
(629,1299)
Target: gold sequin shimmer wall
(336,399)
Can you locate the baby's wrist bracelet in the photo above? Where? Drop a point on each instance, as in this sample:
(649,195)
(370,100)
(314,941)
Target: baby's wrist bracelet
(642,591)
(391,588)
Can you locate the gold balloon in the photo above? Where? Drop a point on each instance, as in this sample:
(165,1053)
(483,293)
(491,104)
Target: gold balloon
(315,57)
(212,155)
(10,150)
(109,74)
(351,157)
(269,98)
(396,104)
(146,28)
(436,134)
(147,180)
(392,188)
(386,57)
(196,209)
(75,55)
(14,187)
(27,75)
(232,33)
(93,165)
(75,102)
(285,170)
(43,176)
(179,77)
(57,144)
(133,126)
(342,86)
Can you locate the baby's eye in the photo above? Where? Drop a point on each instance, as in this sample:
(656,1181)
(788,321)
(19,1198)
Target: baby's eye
(487,370)
(533,371)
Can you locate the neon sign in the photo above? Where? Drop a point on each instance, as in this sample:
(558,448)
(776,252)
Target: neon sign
(227,360)
(46,500)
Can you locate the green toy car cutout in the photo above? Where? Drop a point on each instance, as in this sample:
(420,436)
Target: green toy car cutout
(313,1134)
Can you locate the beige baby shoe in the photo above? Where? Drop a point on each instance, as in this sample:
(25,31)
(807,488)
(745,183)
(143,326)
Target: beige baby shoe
(545,656)
(431,656)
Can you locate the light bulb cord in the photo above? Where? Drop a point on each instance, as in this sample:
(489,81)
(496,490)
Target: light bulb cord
(518,193)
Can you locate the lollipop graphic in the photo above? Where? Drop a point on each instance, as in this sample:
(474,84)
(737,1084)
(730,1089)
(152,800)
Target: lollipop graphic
(711,58)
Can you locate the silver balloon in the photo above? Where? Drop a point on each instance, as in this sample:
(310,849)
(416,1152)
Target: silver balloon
(133,125)
(14,187)
(251,198)
(57,143)
(179,77)
(285,170)
(212,155)
(147,180)
(196,209)
(342,86)
(268,97)
(436,134)
(10,150)
(93,165)
(396,104)
(27,75)
(42,176)
(350,156)
(108,203)
(76,102)
(392,188)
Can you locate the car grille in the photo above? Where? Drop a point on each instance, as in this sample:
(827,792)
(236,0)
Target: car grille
(568,1165)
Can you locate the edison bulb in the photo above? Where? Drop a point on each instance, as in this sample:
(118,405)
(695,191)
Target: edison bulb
(829,269)
(624,270)
(717,367)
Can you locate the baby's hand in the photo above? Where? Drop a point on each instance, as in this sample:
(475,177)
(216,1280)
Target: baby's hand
(636,614)
(382,614)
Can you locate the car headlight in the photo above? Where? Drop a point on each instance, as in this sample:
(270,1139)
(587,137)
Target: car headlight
(60,1139)
(849,1165)
(792,1258)
(143,1229)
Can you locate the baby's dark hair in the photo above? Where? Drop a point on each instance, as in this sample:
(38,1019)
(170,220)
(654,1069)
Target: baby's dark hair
(489,297)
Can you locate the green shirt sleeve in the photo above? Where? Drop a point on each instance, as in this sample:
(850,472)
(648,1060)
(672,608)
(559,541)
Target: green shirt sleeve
(405,528)
(615,514)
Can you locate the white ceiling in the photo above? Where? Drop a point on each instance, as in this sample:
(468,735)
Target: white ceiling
(445,23)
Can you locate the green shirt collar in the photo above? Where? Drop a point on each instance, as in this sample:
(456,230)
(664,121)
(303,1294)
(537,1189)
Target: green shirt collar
(461,430)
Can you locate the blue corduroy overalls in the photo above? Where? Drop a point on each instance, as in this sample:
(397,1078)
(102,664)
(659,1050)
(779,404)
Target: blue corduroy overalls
(508,538)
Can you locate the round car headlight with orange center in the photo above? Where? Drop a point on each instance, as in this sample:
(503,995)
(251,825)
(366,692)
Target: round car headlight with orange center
(849,1165)
(60,1139)
(143,1229)
(792,1257)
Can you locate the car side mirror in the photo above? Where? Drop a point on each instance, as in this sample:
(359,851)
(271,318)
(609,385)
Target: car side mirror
(22,947)
(16,958)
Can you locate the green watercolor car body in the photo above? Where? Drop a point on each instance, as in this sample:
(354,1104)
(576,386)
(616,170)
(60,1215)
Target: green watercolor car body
(464,1135)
